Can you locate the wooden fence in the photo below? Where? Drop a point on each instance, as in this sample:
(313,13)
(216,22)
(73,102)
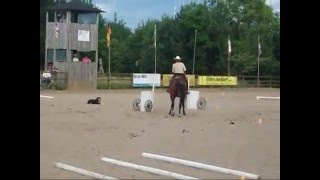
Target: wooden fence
(78,74)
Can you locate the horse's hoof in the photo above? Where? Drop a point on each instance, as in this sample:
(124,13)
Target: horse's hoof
(184,114)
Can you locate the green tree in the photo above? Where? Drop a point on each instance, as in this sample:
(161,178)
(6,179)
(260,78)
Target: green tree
(214,20)
(119,59)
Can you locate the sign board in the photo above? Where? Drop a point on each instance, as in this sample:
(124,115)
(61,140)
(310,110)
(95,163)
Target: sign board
(83,35)
(217,80)
(146,80)
(166,79)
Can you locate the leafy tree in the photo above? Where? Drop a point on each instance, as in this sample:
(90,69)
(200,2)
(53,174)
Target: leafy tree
(214,20)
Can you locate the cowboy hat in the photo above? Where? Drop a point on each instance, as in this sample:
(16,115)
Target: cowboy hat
(177,58)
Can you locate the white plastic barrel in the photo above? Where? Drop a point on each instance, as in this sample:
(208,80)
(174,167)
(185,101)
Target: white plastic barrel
(192,100)
(145,96)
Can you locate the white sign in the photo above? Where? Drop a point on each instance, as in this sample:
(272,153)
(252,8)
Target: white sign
(83,35)
(146,80)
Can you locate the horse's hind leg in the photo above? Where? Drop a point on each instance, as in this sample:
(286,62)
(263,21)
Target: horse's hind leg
(182,99)
(172,105)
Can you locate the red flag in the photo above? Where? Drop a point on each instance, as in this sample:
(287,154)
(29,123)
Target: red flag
(108,33)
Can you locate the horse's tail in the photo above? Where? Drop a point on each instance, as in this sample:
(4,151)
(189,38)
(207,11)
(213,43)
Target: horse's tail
(181,89)
(177,87)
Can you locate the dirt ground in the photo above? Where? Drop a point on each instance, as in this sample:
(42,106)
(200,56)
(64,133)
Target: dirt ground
(78,134)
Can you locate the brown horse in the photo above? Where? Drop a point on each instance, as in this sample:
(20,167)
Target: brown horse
(177,89)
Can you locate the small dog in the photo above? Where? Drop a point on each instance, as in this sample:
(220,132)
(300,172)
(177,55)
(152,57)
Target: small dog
(95,101)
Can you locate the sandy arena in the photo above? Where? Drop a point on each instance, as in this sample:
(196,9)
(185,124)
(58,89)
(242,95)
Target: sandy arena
(78,134)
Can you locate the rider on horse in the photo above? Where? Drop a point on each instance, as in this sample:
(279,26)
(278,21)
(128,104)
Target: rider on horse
(179,69)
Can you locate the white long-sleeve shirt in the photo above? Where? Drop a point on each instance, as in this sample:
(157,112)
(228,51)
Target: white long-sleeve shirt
(46,75)
(178,67)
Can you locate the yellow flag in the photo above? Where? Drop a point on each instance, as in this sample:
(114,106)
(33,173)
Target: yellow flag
(108,34)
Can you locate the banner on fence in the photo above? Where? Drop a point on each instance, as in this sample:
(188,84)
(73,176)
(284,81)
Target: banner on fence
(145,80)
(217,80)
(166,79)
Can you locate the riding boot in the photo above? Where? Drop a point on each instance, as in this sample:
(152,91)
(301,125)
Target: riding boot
(187,85)
(187,91)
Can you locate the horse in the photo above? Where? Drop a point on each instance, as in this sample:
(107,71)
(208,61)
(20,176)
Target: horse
(177,89)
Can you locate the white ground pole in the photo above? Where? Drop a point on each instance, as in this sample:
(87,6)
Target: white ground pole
(42,96)
(147,169)
(267,97)
(82,171)
(201,165)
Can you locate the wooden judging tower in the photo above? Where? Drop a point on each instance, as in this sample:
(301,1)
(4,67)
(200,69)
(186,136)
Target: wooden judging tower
(72,31)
